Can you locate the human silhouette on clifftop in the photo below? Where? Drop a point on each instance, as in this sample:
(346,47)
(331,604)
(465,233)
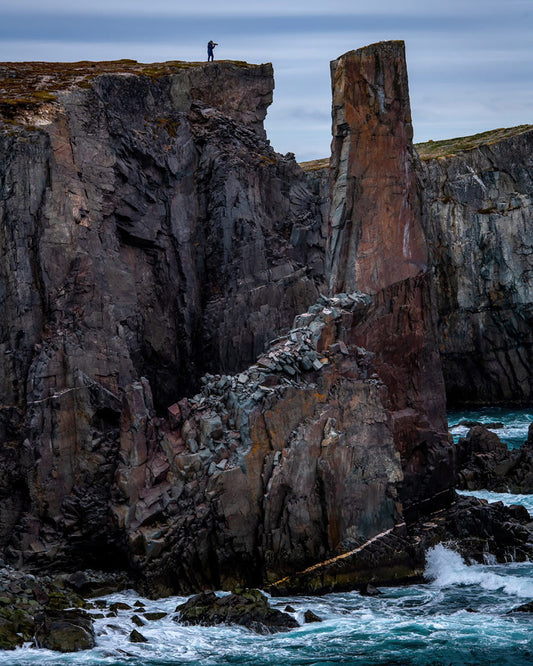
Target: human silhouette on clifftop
(210,48)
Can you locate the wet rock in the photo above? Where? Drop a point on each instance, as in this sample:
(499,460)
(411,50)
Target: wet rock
(483,462)
(136,637)
(137,620)
(248,608)
(64,631)
(309,617)
(524,608)
(119,605)
(156,615)
(480,531)
(9,637)
(369,590)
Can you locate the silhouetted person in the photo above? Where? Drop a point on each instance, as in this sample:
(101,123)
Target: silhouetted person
(210,48)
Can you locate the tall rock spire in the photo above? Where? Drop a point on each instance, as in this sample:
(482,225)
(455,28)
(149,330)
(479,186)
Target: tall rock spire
(376,238)
(376,245)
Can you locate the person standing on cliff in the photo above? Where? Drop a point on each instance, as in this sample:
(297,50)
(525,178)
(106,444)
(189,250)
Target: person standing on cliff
(210,48)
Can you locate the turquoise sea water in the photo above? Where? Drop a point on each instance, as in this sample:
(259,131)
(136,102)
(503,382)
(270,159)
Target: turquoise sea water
(515,423)
(458,617)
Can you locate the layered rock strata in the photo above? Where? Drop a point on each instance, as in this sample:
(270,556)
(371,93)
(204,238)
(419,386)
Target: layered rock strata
(478,196)
(266,472)
(153,235)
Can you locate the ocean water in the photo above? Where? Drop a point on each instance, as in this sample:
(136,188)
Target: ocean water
(515,423)
(459,617)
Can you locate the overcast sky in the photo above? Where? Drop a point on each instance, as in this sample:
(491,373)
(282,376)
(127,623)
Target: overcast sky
(470,62)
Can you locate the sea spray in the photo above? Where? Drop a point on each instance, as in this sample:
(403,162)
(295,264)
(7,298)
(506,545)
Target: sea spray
(446,568)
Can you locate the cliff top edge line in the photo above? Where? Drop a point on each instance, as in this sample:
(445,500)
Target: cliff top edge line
(26,86)
(30,92)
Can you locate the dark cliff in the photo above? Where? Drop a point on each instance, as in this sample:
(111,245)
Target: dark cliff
(148,230)
(478,196)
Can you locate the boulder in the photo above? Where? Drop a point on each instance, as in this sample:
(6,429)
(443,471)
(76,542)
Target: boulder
(524,608)
(137,637)
(310,617)
(64,631)
(249,608)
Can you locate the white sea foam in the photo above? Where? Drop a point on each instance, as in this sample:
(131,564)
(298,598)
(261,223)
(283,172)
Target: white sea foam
(446,568)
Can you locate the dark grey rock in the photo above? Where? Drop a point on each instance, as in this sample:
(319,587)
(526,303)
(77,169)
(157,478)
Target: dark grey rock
(248,608)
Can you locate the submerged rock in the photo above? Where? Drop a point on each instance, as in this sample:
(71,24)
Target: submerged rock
(479,531)
(309,617)
(249,608)
(369,590)
(524,608)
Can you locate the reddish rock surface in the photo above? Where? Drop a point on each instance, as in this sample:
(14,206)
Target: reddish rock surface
(376,244)
(153,248)
(375,234)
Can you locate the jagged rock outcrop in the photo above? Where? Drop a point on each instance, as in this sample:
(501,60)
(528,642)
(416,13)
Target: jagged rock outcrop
(266,472)
(248,608)
(376,244)
(484,463)
(148,229)
(35,610)
(478,197)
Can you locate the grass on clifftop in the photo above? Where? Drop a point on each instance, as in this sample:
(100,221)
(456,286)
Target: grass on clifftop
(315,165)
(433,149)
(25,86)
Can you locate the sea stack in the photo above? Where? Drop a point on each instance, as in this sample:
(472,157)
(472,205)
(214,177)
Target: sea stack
(376,244)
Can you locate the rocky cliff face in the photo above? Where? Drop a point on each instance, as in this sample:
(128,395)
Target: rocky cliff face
(148,230)
(264,473)
(154,242)
(478,198)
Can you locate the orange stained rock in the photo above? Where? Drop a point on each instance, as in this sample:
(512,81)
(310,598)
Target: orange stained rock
(376,237)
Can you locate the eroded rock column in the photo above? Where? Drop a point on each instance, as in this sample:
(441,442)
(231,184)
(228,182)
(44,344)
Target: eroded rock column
(376,238)
(376,245)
